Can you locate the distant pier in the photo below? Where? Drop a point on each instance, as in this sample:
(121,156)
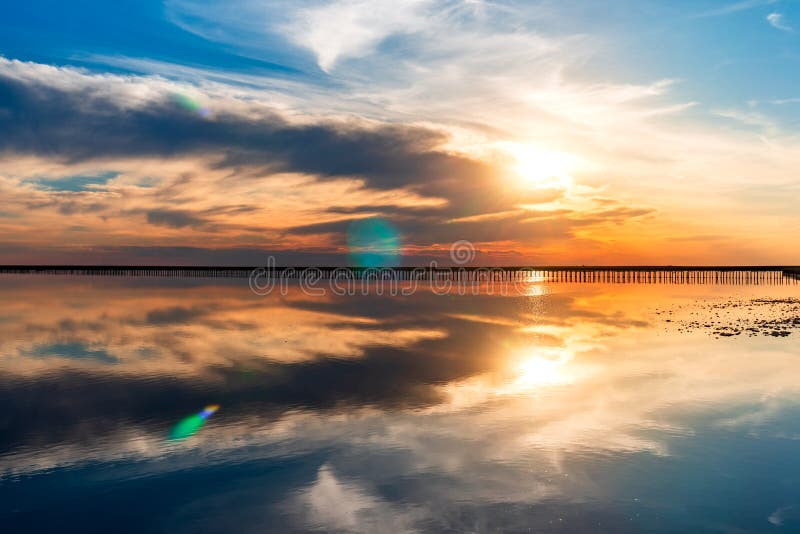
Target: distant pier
(556,274)
(792,272)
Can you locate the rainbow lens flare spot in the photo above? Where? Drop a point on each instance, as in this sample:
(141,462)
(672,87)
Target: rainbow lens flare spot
(192,105)
(189,426)
(208,411)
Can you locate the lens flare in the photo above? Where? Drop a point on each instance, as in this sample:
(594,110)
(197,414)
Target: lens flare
(191,105)
(189,426)
(373,243)
(209,410)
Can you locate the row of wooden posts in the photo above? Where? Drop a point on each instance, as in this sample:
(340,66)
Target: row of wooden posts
(567,274)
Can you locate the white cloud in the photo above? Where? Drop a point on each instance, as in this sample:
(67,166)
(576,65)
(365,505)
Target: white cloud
(335,505)
(353,28)
(777,517)
(776,20)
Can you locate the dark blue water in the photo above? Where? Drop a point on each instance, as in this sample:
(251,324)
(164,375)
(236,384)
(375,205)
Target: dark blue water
(193,406)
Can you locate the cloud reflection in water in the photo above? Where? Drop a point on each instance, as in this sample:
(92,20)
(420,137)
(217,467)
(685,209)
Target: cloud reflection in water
(423,412)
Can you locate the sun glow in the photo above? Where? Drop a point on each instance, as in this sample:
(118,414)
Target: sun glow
(542,169)
(528,372)
(536,370)
(539,371)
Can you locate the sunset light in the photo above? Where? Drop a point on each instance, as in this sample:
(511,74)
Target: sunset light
(542,169)
(399,266)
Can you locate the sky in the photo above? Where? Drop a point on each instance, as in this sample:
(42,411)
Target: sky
(541,132)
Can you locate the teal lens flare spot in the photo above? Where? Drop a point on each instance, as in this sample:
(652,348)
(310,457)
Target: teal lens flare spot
(187,427)
(373,243)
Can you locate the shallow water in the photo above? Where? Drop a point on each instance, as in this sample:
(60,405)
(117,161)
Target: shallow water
(585,407)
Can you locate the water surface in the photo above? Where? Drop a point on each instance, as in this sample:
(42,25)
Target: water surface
(572,407)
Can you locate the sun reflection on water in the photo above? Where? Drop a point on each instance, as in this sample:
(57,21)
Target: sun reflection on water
(536,370)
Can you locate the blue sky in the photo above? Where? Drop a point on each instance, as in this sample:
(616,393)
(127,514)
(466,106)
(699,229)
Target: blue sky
(587,125)
(722,51)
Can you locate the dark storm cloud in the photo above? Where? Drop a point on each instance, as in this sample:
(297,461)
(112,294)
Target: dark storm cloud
(174,218)
(176,315)
(67,204)
(88,405)
(387,209)
(16,253)
(88,123)
(434,230)
(75,118)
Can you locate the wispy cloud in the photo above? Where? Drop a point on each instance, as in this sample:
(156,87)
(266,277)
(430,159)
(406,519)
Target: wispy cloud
(744,5)
(776,20)
(749,118)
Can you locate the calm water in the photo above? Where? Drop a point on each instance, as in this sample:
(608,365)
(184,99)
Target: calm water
(597,408)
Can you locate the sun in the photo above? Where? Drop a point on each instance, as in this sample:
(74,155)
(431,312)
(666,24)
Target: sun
(534,369)
(542,169)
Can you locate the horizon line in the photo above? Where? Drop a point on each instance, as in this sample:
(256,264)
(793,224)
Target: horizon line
(405,267)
